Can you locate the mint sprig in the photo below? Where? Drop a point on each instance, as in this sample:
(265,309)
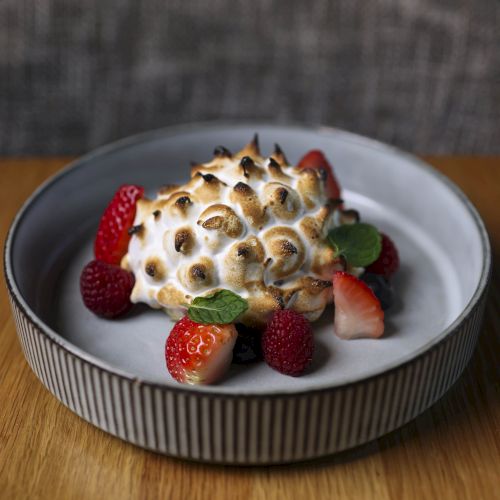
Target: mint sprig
(222,307)
(360,244)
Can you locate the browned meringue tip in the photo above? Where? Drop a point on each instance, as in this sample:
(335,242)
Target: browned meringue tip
(275,171)
(222,152)
(282,200)
(198,275)
(155,269)
(285,250)
(252,149)
(184,240)
(253,211)
(221,218)
(249,169)
(309,187)
(279,156)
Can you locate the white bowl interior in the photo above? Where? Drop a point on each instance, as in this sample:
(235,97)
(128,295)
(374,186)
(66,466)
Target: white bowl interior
(442,250)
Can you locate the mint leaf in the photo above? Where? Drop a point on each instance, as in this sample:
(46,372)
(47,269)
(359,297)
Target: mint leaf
(359,243)
(222,307)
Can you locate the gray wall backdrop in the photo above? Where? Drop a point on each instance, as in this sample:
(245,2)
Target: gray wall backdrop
(421,74)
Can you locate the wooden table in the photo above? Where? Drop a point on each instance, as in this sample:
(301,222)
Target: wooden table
(451,451)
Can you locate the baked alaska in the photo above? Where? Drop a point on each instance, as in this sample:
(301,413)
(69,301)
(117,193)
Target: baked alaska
(250,224)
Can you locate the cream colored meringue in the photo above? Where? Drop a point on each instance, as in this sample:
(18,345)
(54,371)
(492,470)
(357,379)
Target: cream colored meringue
(252,225)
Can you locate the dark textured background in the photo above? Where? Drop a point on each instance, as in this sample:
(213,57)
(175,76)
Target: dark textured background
(424,75)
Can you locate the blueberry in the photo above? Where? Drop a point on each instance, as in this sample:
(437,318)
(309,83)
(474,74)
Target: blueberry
(247,348)
(380,287)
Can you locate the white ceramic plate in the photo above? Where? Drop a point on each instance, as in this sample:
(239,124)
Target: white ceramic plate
(113,373)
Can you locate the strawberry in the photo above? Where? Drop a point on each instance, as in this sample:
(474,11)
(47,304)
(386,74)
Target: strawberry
(197,353)
(106,289)
(287,342)
(358,313)
(112,239)
(316,159)
(388,261)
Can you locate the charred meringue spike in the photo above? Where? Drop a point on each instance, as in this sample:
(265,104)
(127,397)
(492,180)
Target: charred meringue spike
(284,246)
(138,230)
(309,187)
(157,214)
(177,205)
(243,263)
(249,169)
(262,302)
(198,275)
(311,229)
(210,178)
(243,251)
(288,248)
(282,200)
(198,272)
(274,165)
(309,296)
(184,240)
(222,152)
(275,171)
(282,194)
(349,216)
(251,149)
(247,199)
(222,219)
(183,201)
(246,164)
(209,191)
(279,156)
(255,143)
(154,268)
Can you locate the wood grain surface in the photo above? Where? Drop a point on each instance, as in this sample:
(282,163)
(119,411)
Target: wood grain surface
(452,451)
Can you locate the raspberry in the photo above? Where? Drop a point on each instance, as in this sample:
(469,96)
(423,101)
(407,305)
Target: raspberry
(388,261)
(287,343)
(106,289)
(111,242)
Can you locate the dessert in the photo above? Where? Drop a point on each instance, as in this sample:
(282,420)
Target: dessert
(245,223)
(244,256)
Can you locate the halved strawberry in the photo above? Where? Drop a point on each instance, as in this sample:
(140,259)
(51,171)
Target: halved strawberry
(111,242)
(199,354)
(358,313)
(316,159)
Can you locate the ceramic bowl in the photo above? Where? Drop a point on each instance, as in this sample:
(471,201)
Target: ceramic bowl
(112,373)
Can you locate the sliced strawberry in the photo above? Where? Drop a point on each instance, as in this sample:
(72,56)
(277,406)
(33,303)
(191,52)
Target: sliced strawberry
(111,242)
(358,313)
(199,354)
(316,159)
(388,261)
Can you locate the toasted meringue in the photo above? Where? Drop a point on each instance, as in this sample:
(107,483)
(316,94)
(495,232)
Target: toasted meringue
(249,224)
